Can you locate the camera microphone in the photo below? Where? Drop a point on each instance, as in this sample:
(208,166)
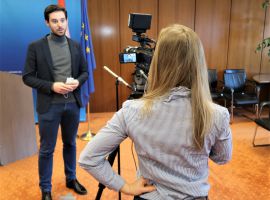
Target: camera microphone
(120,79)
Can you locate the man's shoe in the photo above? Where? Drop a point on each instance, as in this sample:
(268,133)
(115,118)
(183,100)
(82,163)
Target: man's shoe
(76,186)
(46,196)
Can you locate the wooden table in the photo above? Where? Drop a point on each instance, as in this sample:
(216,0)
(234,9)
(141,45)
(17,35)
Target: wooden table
(262,80)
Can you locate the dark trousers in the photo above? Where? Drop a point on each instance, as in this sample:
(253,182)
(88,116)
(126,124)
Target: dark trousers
(67,115)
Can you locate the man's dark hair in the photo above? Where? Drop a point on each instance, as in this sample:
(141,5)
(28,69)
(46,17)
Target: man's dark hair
(53,8)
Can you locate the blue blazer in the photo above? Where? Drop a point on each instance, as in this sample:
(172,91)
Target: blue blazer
(38,71)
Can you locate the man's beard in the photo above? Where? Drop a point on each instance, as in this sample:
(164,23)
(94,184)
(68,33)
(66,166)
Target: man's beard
(61,30)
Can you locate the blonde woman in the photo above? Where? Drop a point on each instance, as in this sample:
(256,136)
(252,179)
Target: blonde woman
(175,126)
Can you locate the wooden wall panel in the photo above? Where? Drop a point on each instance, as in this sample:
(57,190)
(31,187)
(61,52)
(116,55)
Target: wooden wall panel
(176,11)
(212,25)
(104,22)
(265,65)
(229,29)
(246,30)
(134,6)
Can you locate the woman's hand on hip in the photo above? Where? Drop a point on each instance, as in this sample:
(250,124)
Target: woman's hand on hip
(138,187)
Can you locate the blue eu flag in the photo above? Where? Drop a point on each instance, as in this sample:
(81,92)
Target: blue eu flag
(87,47)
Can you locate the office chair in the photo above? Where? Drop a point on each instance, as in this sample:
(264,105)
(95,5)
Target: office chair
(262,122)
(236,90)
(215,89)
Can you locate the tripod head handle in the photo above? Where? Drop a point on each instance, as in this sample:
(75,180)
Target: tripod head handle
(120,79)
(143,74)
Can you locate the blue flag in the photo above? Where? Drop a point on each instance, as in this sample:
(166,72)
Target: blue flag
(87,48)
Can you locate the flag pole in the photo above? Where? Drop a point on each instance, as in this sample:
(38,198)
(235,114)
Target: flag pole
(87,136)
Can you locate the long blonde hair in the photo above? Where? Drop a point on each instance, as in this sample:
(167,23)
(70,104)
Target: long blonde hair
(179,60)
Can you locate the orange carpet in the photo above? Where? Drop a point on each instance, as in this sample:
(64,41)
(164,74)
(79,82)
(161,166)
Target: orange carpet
(246,177)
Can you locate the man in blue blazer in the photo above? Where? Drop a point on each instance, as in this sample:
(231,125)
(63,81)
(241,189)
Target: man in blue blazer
(55,66)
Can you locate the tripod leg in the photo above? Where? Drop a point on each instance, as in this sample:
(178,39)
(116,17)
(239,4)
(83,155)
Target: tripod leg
(111,158)
(119,170)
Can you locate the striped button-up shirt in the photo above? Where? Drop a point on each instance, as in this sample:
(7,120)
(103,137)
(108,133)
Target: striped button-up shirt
(164,145)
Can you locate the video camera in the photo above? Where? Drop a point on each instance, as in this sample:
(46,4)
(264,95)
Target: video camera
(142,55)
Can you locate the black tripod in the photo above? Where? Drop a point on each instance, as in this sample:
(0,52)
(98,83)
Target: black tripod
(112,156)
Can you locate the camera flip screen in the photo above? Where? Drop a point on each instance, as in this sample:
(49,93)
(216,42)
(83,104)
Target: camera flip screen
(127,57)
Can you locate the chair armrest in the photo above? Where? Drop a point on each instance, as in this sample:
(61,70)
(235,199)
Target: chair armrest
(263,104)
(251,86)
(220,85)
(250,83)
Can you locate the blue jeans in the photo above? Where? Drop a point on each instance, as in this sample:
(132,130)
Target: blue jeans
(67,115)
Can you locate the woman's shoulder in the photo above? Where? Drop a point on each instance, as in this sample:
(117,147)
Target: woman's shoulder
(219,109)
(133,104)
(131,109)
(220,115)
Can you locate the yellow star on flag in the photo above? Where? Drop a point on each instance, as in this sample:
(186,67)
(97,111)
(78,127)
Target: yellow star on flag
(86,37)
(87,50)
(82,25)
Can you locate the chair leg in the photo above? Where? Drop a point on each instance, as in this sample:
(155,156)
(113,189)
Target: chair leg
(232,111)
(254,137)
(232,99)
(257,110)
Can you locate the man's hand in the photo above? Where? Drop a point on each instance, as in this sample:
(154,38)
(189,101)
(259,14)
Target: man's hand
(138,187)
(74,84)
(61,88)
